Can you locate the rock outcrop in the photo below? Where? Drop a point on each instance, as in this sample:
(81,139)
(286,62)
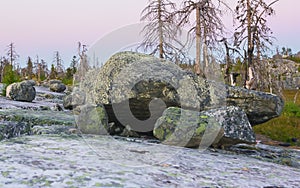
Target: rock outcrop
(136,87)
(22,91)
(101,161)
(76,98)
(57,86)
(219,127)
(259,106)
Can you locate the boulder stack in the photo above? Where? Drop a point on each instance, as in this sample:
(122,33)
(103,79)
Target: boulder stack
(139,92)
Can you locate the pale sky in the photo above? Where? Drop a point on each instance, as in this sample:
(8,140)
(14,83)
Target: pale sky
(41,27)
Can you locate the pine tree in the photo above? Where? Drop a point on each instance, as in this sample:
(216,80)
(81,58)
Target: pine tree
(29,71)
(53,73)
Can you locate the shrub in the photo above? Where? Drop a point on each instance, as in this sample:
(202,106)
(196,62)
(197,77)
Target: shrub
(291,109)
(9,77)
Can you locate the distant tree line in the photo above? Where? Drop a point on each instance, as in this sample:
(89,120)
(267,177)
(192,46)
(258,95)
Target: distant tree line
(37,69)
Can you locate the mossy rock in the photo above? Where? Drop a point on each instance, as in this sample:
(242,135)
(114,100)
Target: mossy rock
(92,120)
(221,127)
(186,128)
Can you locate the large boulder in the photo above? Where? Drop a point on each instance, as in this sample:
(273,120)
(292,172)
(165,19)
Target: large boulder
(129,82)
(57,86)
(219,127)
(259,106)
(22,91)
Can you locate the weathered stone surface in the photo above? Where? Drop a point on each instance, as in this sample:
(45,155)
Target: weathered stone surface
(219,127)
(187,128)
(101,161)
(76,98)
(50,82)
(259,107)
(37,118)
(287,71)
(16,122)
(235,123)
(92,120)
(57,87)
(32,82)
(13,129)
(22,91)
(138,79)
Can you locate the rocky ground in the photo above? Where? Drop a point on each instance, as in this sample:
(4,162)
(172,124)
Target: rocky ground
(99,161)
(54,154)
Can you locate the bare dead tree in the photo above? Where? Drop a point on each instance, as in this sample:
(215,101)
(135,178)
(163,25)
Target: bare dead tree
(58,62)
(207,28)
(229,77)
(12,54)
(253,33)
(37,68)
(161,33)
(83,65)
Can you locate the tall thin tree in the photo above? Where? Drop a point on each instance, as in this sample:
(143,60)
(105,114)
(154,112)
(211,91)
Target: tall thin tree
(207,28)
(12,54)
(160,34)
(252,31)
(29,71)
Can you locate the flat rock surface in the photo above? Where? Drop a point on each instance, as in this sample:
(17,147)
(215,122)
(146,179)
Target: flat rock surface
(36,104)
(104,161)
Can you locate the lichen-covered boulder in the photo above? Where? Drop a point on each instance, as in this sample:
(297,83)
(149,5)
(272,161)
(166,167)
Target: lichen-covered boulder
(219,127)
(187,128)
(22,91)
(57,86)
(259,106)
(234,121)
(131,81)
(139,79)
(92,120)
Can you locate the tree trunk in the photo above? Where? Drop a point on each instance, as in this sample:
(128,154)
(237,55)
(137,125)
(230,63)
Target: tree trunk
(198,41)
(11,54)
(249,76)
(228,79)
(161,38)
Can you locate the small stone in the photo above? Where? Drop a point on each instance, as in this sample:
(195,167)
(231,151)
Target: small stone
(294,140)
(58,87)
(57,107)
(284,144)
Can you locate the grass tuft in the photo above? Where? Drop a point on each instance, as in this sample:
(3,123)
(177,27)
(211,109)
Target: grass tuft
(285,128)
